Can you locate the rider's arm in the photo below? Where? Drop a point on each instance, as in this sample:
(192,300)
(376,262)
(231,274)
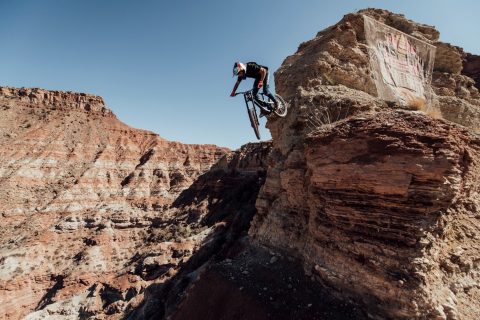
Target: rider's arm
(235,87)
(263,72)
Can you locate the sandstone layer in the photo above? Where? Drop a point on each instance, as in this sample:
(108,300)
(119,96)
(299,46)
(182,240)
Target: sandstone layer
(380,203)
(94,211)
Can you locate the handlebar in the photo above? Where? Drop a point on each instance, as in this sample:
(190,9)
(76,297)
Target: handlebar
(243,92)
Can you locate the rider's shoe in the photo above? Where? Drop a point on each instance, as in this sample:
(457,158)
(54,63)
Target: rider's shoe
(264,113)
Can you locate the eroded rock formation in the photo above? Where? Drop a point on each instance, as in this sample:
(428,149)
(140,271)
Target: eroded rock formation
(381,204)
(471,68)
(376,203)
(93,211)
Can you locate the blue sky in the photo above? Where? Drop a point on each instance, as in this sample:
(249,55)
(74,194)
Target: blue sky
(166,66)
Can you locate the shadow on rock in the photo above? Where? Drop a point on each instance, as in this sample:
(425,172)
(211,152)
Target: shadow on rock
(222,199)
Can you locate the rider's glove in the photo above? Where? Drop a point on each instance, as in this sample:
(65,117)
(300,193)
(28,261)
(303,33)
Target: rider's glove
(232,94)
(260,84)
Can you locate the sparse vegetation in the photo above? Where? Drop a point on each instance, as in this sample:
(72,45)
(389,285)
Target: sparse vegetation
(435,112)
(420,104)
(417,103)
(327,114)
(172,233)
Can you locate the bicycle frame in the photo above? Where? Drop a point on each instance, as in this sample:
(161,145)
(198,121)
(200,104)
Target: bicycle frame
(262,102)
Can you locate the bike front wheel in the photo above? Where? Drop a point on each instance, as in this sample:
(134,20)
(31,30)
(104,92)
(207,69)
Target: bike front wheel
(281,109)
(252,115)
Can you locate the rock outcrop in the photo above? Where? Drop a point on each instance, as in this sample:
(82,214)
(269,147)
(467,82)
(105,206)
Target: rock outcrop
(471,68)
(380,203)
(456,84)
(358,207)
(93,211)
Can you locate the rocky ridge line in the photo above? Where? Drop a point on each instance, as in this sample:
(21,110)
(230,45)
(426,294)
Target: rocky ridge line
(56,99)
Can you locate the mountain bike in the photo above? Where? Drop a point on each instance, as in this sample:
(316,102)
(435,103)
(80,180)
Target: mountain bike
(266,105)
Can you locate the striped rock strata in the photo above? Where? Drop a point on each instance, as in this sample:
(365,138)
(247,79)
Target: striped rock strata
(93,211)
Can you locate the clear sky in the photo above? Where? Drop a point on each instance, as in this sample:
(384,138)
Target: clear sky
(166,66)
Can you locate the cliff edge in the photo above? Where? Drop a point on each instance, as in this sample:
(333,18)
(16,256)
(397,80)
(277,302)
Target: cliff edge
(378,199)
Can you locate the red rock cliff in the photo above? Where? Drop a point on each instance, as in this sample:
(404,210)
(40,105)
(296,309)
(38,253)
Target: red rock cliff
(380,204)
(93,210)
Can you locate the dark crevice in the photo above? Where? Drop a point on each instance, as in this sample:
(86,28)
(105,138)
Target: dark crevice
(127,179)
(145,158)
(48,297)
(230,196)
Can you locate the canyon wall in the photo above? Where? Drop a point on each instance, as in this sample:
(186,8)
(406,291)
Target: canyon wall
(377,201)
(380,201)
(94,211)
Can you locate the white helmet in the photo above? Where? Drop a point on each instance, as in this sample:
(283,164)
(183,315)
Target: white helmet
(237,67)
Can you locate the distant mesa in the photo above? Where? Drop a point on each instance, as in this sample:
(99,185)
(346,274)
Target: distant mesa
(57,99)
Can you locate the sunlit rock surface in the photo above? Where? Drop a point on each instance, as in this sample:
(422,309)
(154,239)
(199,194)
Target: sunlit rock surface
(358,208)
(93,211)
(380,203)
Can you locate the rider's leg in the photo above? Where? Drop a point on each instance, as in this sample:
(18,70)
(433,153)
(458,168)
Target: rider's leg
(255,87)
(267,92)
(255,96)
(255,92)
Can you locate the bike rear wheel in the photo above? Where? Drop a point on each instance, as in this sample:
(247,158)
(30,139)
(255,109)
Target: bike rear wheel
(281,109)
(252,115)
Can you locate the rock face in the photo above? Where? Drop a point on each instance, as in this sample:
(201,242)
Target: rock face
(376,203)
(456,83)
(339,56)
(93,211)
(471,68)
(381,204)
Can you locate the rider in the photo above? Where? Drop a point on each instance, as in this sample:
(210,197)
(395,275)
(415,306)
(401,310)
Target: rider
(256,71)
